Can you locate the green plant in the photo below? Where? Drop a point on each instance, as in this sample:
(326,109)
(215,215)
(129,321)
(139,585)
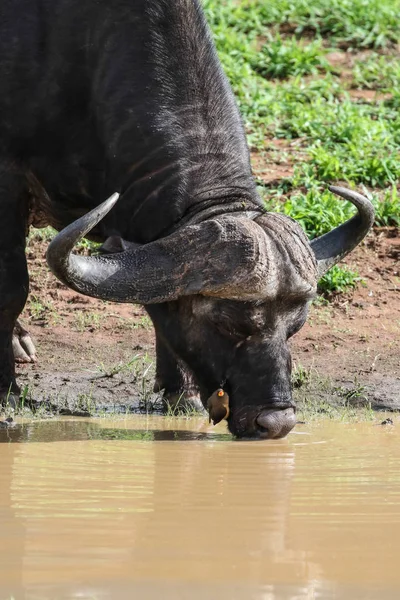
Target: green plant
(318,211)
(44,234)
(377,73)
(347,139)
(338,280)
(143,323)
(387,208)
(300,376)
(281,58)
(350,23)
(108,372)
(84,320)
(41,310)
(369,160)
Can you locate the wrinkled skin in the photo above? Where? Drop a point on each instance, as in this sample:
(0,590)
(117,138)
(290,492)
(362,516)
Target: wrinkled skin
(242,347)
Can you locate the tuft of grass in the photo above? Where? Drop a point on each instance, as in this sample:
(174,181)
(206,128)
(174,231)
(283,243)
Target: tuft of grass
(181,409)
(42,310)
(377,72)
(143,323)
(281,58)
(338,280)
(300,376)
(317,211)
(109,372)
(45,234)
(87,320)
(387,208)
(312,409)
(370,158)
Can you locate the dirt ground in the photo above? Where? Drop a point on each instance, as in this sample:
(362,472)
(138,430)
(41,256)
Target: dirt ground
(93,354)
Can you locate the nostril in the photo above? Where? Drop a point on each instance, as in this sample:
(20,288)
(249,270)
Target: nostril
(263,431)
(273,424)
(260,426)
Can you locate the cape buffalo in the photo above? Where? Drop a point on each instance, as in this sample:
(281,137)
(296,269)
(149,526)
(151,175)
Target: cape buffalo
(129,96)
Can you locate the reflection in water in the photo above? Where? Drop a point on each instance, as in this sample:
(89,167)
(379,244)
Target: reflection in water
(65,430)
(12,531)
(122,512)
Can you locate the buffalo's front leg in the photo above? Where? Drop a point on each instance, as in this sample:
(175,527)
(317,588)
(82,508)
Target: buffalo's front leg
(14,280)
(180,392)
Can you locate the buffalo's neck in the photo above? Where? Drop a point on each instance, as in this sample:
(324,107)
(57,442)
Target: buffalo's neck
(156,119)
(173,132)
(162,192)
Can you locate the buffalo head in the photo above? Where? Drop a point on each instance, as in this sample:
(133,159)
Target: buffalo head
(225,295)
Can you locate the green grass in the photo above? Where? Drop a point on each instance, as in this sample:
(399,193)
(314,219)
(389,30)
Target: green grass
(318,397)
(347,140)
(275,55)
(338,280)
(318,210)
(377,72)
(387,207)
(349,23)
(46,234)
(280,58)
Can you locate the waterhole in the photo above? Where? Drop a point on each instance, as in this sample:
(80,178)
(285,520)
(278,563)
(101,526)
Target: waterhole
(156,508)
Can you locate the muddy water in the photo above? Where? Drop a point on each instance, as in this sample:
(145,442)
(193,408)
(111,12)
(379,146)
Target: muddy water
(168,509)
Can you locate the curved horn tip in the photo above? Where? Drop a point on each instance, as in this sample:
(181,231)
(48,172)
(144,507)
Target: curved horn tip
(336,244)
(109,203)
(61,246)
(102,209)
(351,195)
(346,193)
(364,205)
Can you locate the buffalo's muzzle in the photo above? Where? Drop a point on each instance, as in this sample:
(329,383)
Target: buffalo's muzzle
(273,424)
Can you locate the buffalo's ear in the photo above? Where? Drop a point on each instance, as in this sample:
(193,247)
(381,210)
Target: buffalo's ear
(115,244)
(218,406)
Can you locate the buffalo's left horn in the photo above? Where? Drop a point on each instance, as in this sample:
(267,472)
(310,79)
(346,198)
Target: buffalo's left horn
(227,256)
(335,245)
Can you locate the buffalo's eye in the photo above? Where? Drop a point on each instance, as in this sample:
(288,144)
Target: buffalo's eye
(236,320)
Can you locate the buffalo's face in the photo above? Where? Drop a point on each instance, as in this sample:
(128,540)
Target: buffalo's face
(242,349)
(225,295)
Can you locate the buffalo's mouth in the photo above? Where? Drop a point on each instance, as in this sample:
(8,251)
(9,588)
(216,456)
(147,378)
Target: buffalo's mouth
(267,424)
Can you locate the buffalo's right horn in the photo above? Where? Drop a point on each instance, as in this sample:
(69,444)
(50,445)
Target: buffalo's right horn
(335,245)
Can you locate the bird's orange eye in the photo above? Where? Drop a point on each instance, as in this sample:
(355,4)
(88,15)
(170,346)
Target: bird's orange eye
(220,393)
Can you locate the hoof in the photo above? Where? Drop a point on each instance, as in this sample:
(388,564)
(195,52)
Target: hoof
(23,347)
